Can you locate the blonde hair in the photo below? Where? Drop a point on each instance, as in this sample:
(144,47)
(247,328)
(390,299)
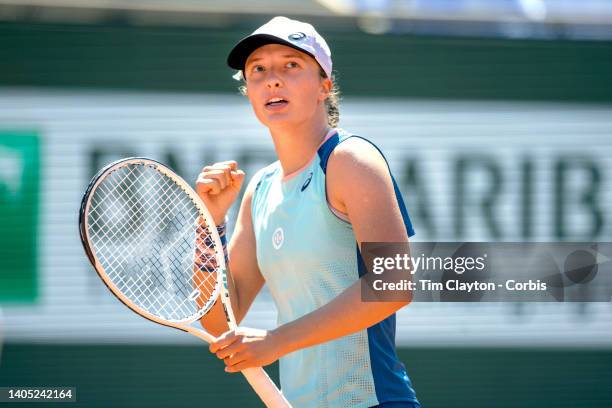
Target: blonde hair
(332,102)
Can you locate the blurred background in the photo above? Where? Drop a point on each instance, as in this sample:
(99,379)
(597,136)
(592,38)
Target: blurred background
(496,116)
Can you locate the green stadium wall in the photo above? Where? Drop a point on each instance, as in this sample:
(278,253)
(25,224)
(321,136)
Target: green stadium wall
(193,60)
(175,376)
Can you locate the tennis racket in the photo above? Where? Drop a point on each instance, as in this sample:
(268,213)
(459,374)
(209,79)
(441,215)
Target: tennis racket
(155,246)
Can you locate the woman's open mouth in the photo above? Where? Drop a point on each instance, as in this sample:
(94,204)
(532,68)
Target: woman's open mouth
(276,103)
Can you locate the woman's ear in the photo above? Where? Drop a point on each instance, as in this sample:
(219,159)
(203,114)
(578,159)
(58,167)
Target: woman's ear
(325,89)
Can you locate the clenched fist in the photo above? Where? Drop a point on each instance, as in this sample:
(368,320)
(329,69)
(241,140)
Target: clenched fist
(218,186)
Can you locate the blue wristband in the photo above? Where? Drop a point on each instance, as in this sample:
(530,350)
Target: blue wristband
(221,230)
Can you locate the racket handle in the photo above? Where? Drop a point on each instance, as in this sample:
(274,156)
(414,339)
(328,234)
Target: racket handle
(265,388)
(257,377)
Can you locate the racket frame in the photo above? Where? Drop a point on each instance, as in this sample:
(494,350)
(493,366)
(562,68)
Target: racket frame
(256,376)
(220,258)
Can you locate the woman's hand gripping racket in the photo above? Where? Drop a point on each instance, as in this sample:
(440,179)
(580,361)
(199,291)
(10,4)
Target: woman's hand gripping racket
(154,244)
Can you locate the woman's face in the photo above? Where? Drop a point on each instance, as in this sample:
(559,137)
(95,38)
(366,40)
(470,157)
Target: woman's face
(284,86)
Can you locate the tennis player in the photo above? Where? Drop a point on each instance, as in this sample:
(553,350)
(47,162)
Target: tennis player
(299,227)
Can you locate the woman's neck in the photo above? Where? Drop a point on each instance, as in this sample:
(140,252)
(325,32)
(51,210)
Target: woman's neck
(296,145)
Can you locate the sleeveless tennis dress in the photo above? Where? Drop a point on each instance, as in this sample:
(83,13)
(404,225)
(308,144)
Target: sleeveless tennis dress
(308,255)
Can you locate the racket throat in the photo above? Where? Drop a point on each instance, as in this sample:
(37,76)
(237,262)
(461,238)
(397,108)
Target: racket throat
(226,301)
(231,320)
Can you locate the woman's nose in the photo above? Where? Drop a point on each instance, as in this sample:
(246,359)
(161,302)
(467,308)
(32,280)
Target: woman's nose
(274,81)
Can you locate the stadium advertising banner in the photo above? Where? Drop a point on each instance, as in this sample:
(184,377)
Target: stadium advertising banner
(469,171)
(19,200)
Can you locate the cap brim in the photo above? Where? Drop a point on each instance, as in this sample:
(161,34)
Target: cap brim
(241,51)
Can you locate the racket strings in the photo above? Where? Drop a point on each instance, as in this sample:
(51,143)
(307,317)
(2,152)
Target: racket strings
(131,286)
(133,203)
(148,235)
(205,261)
(112,231)
(170,284)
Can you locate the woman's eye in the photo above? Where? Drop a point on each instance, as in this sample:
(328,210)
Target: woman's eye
(258,68)
(292,64)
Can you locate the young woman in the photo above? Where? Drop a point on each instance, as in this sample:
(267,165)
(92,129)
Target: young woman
(298,230)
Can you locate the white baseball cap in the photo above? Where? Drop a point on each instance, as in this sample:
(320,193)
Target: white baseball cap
(282,30)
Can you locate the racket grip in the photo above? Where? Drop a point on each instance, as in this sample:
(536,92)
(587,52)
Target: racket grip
(265,388)
(257,378)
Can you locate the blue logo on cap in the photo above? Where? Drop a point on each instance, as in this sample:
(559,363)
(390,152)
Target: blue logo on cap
(297,36)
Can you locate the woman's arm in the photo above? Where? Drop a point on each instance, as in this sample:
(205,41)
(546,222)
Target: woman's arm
(244,278)
(358,184)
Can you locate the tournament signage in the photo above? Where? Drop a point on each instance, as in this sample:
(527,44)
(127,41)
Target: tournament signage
(19,180)
(469,171)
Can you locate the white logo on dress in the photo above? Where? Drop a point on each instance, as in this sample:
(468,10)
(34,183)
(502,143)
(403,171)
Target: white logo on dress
(277,238)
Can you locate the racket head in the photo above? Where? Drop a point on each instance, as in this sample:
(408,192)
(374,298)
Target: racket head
(138,178)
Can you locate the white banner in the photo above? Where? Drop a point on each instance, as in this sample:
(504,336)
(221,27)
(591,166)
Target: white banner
(471,171)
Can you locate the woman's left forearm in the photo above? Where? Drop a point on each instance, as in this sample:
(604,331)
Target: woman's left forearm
(344,315)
